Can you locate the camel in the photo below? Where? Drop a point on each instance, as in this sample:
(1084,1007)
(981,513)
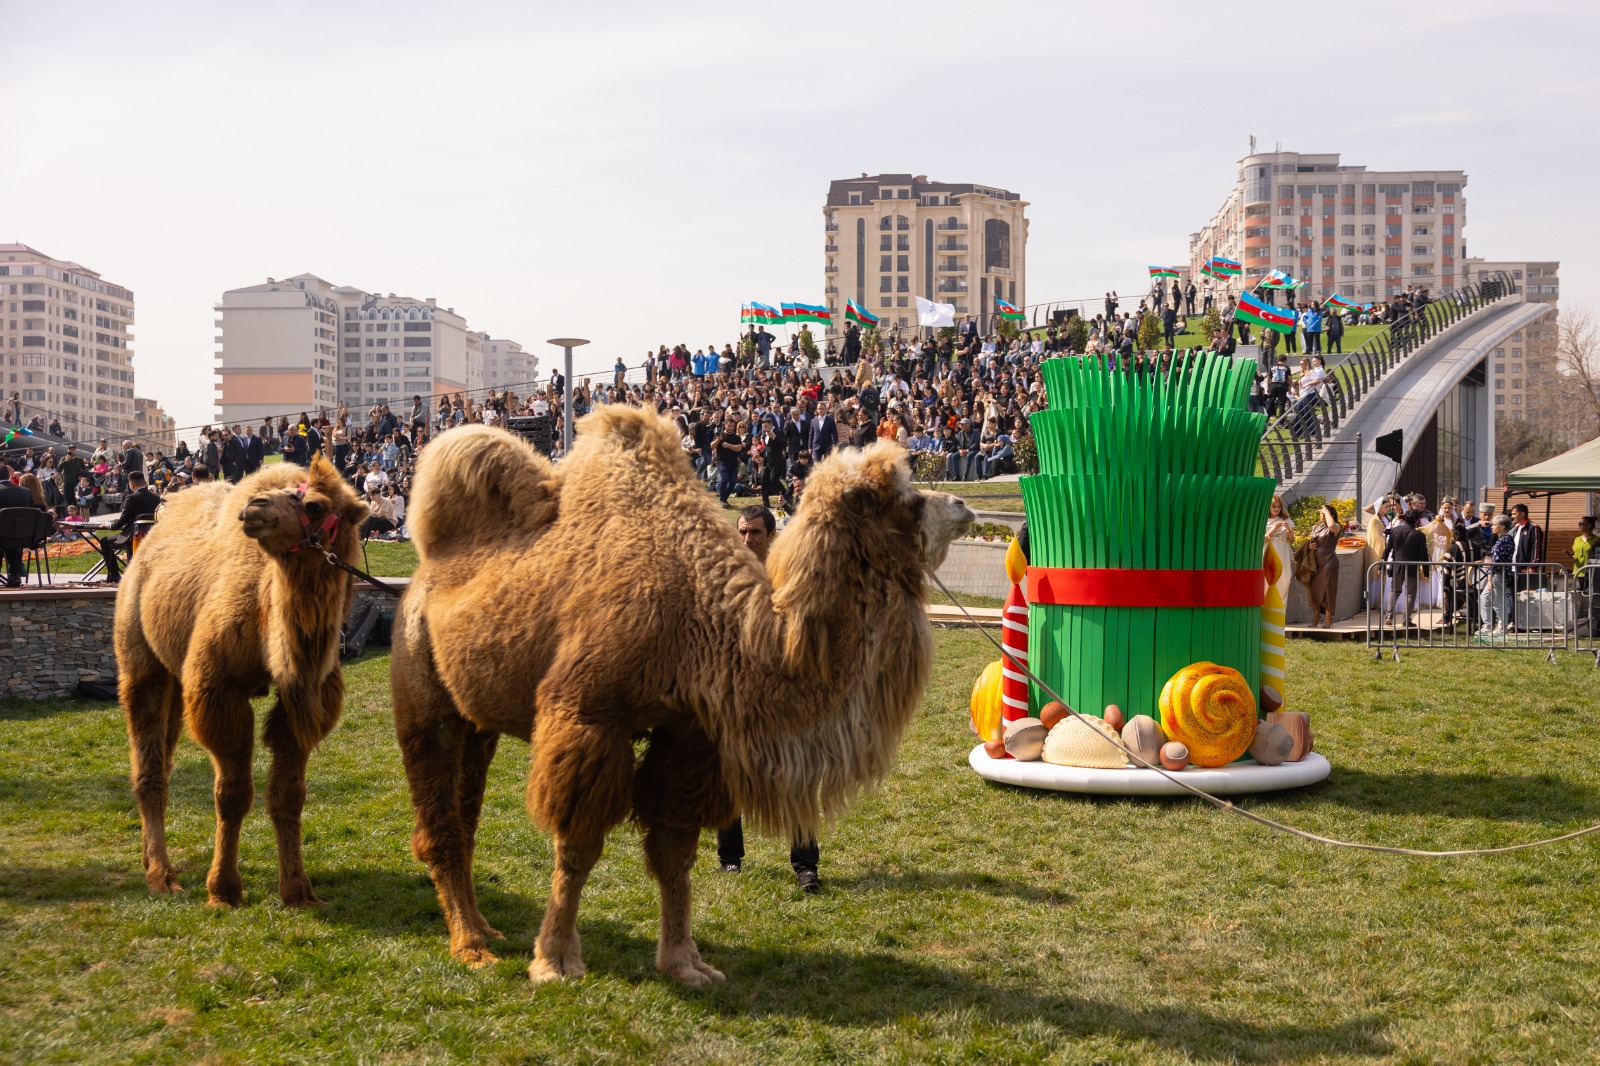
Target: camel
(586,605)
(230,591)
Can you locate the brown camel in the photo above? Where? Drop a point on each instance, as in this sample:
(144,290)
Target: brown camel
(230,591)
(607,599)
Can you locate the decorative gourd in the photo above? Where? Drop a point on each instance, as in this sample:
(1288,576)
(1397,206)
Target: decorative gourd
(1143,737)
(1086,742)
(1211,709)
(1174,756)
(1298,725)
(1272,744)
(985,703)
(1025,739)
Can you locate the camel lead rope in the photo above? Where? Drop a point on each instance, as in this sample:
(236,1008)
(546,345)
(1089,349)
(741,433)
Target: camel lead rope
(334,560)
(1230,808)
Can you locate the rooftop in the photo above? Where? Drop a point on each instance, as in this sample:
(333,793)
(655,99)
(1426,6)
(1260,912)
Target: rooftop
(871,187)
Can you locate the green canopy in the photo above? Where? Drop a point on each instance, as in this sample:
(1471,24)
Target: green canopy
(1574,471)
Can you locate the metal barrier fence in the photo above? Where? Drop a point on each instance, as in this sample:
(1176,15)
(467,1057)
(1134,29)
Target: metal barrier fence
(1480,605)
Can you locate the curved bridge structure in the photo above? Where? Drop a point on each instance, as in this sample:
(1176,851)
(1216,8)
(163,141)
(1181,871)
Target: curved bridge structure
(1435,391)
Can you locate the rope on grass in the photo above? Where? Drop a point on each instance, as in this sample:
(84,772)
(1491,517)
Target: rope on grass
(1230,808)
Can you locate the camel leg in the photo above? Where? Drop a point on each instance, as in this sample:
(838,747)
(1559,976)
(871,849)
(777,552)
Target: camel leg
(154,707)
(295,726)
(579,787)
(677,790)
(447,762)
(221,720)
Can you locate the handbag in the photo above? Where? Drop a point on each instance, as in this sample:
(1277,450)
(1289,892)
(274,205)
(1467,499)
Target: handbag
(1306,564)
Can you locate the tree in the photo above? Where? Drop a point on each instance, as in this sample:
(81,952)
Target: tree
(1077,334)
(1519,443)
(1564,400)
(808,345)
(1006,328)
(1150,336)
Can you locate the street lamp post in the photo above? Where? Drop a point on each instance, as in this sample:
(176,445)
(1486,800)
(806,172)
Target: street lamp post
(566,344)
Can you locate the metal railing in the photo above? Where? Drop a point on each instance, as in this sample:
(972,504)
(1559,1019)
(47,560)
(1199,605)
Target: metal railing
(1297,436)
(1476,605)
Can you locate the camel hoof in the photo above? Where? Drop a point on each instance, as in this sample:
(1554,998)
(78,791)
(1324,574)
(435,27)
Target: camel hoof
(543,971)
(219,902)
(304,901)
(695,974)
(163,882)
(475,958)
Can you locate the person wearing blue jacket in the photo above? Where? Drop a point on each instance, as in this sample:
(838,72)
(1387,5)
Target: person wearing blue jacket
(1311,323)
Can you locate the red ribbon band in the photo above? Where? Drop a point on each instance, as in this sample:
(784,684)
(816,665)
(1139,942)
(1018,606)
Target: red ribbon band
(1146,588)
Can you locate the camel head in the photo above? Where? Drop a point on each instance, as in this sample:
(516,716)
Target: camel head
(866,496)
(317,506)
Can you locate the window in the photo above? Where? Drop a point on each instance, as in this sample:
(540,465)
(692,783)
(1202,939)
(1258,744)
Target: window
(1516,353)
(1369,272)
(1286,231)
(1448,188)
(1286,251)
(1422,209)
(902,284)
(1516,368)
(1327,190)
(1347,190)
(902,263)
(902,222)
(886,283)
(1306,191)
(1448,248)
(885,263)
(1420,230)
(1286,192)
(1347,209)
(1393,190)
(1391,231)
(886,243)
(1449,207)
(1347,231)
(1369,209)
(1368,230)
(1347,249)
(855,199)
(1327,231)
(1391,249)
(1286,209)
(1499,368)
(1347,272)
(1369,249)
(886,222)
(996,244)
(903,243)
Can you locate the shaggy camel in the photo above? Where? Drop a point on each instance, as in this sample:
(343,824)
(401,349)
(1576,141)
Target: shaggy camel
(230,591)
(585,605)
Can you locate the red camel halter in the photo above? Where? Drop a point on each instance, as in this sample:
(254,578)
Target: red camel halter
(313,539)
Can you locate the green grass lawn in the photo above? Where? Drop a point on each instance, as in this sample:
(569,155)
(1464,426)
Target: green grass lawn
(961,921)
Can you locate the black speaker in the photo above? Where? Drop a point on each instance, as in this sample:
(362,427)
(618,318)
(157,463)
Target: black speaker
(537,430)
(1391,445)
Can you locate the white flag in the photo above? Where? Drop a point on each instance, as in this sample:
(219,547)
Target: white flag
(932,314)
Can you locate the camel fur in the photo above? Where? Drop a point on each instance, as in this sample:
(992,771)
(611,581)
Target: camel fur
(585,605)
(215,606)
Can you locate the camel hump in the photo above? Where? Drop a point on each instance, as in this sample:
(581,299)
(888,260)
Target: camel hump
(479,485)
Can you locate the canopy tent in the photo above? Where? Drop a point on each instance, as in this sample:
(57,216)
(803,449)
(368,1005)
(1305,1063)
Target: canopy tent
(1574,471)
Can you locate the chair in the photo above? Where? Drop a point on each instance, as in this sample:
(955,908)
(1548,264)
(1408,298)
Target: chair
(26,529)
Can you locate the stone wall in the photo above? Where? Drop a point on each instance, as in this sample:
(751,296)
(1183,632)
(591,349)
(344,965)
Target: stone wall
(53,639)
(977,567)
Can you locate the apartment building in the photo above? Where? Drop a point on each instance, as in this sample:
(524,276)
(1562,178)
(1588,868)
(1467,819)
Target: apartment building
(506,365)
(1529,354)
(66,336)
(154,426)
(1365,234)
(303,343)
(891,237)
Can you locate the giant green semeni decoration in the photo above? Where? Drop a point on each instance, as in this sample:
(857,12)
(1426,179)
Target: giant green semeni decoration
(1145,526)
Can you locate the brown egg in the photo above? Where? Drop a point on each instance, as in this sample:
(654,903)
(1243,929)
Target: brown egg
(1052,713)
(1174,755)
(1114,718)
(995,749)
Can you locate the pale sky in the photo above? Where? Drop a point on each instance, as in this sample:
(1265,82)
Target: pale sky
(631,172)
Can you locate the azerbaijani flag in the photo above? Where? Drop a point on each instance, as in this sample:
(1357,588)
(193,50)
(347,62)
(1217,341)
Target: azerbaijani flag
(1277,279)
(1008,311)
(1224,268)
(854,312)
(1252,309)
(1339,301)
(1163,272)
(808,312)
(789,312)
(764,315)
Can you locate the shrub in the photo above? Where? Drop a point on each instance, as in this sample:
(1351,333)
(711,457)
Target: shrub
(1077,334)
(1025,453)
(808,346)
(1150,336)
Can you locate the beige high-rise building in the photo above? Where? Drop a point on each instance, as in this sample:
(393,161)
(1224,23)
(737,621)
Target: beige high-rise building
(153,425)
(506,365)
(66,333)
(1530,354)
(303,343)
(1344,229)
(892,237)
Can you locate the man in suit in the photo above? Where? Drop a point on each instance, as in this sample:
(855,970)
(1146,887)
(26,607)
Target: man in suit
(1527,550)
(254,452)
(233,455)
(1405,548)
(13,496)
(756,529)
(824,433)
(132,458)
(141,503)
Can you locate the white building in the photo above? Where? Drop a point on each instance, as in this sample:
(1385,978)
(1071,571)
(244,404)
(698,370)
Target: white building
(303,343)
(65,335)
